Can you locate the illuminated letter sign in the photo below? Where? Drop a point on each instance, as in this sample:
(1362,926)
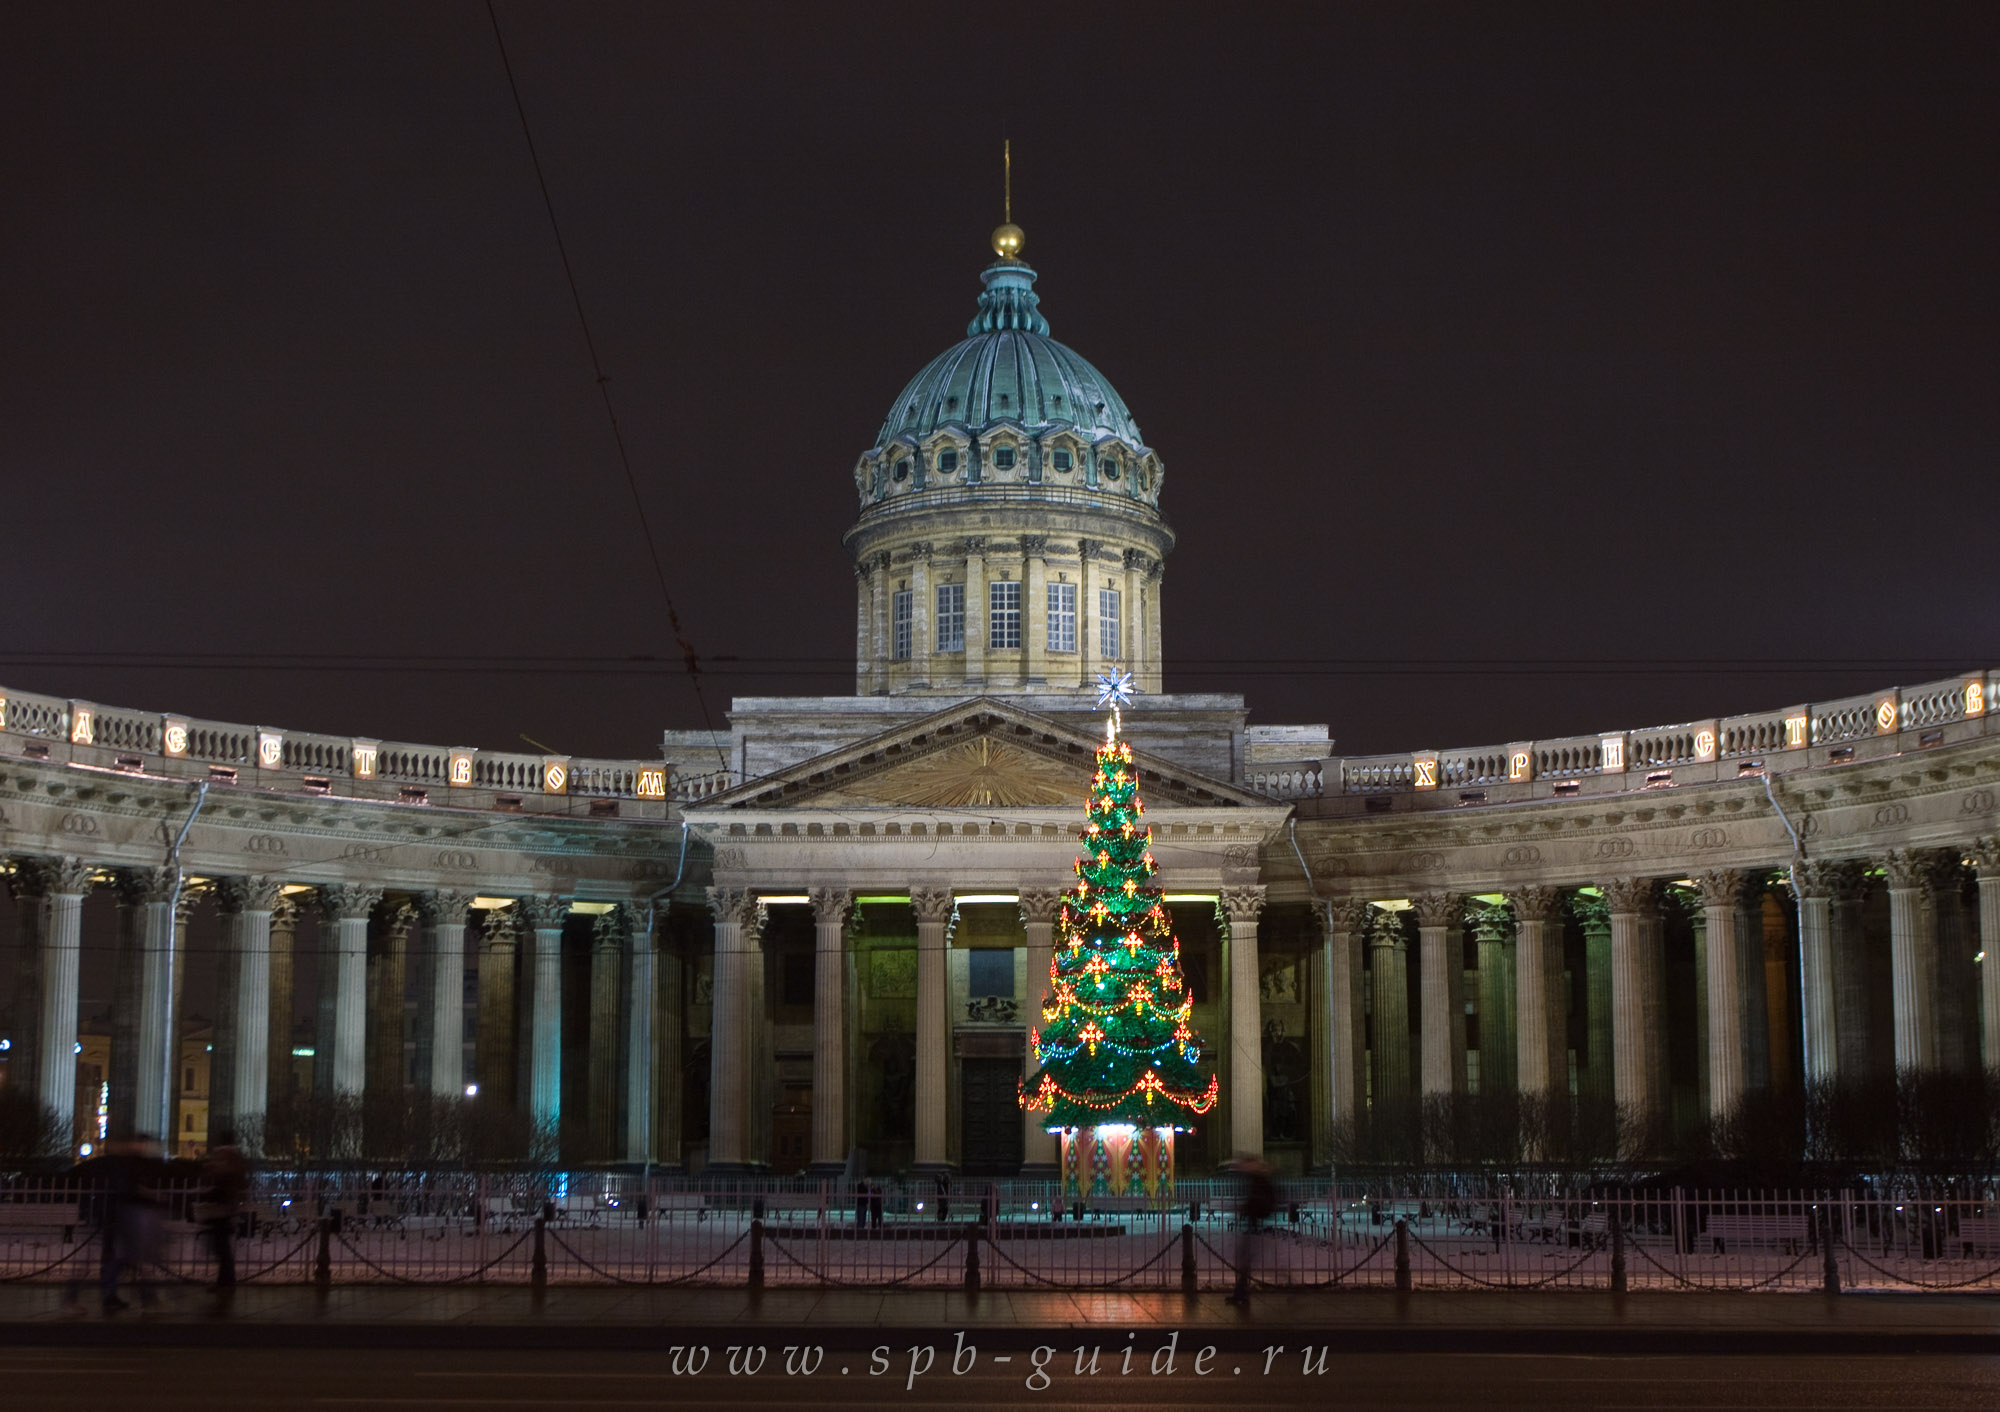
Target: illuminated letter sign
(1519,766)
(1704,744)
(1795,732)
(364,760)
(1425,769)
(461,768)
(80,726)
(3,713)
(175,738)
(1614,754)
(270,750)
(555,777)
(1885,715)
(652,784)
(1975,700)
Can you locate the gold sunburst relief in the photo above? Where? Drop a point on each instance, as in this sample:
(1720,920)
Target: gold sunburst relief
(982,772)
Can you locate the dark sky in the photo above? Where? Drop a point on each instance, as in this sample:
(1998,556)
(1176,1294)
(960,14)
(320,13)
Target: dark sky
(1555,337)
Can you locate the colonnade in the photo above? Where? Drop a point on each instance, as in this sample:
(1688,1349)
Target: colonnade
(1524,1004)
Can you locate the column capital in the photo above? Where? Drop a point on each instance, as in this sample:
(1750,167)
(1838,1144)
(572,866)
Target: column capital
(735,904)
(234,895)
(1812,878)
(1625,896)
(1906,868)
(348,901)
(1385,930)
(932,904)
(56,877)
(191,894)
(1344,916)
(1986,854)
(1490,921)
(1535,903)
(138,886)
(1244,903)
(501,927)
(285,912)
(831,905)
(544,911)
(610,930)
(397,918)
(1040,904)
(1723,887)
(1437,909)
(444,908)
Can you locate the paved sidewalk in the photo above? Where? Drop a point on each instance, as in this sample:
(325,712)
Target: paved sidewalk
(511,1317)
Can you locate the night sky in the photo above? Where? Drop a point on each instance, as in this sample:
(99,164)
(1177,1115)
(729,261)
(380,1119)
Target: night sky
(1593,346)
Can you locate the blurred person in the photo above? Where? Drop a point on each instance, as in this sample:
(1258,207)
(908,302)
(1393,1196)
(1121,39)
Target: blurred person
(225,1179)
(135,1179)
(1259,1201)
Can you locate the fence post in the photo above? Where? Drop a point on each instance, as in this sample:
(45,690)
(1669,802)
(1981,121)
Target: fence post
(757,1253)
(972,1258)
(323,1262)
(1617,1252)
(538,1272)
(1402,1256)
(1188,1278)
(1830,1280)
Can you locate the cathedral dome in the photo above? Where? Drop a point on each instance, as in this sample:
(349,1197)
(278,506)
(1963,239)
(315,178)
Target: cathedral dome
(1009,369)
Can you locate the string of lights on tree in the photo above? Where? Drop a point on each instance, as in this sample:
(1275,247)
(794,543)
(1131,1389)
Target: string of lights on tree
(1115,1044)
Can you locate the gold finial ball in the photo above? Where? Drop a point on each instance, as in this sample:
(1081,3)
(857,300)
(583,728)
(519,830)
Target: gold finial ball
(1008,240)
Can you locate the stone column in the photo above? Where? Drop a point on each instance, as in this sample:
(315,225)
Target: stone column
(1722,894)
(1320,1045)
(1631,1034)
(1849,885)
(977,612)
(1492,928)
(641,985)
(57,887)
(1595,1080)
(607,960)
(1812,884)
(1539,1043)
(546,914)
(1347,926)
(150,892)
(441,1006)
(1986,853)
(1388,957)
(738,920)
(278,1039)
(125,967)
(669,964)
(831,909)
(933,908)
(493,1046)
(239,1073)
(1912,978)
(1956,979)
(1755,994)
(1437,958)
(28,885)
(1241,907)
(346,908)
(1041,1150)
(388,970)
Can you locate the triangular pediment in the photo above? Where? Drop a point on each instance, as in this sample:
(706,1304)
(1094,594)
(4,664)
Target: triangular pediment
(984,753)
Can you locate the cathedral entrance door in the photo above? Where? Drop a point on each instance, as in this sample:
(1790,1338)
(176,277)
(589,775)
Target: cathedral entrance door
(990,1139)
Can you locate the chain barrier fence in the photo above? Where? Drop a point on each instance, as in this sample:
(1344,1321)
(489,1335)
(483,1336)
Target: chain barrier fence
(612,1228)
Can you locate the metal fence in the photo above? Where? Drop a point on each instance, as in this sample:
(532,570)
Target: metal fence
(524,1228)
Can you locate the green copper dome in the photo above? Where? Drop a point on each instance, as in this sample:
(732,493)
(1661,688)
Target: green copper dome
(1009,370)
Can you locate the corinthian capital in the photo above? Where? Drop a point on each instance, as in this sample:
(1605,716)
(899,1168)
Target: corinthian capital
(448,909)
(545,911)
(610,930)
(1986,853)
(1723,887)
(1385,931)
(831,905)
(932,904)
(1627,895)
(1906,868)
(1811,878)
(138,886)
(1345,916)
(348,901)
(1244,903)
(48,877)
(1535,903)
(1040,904)
(1437,909)
(247,894)
(735,904)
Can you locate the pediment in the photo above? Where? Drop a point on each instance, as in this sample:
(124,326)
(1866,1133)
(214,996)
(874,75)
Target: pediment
(985,754)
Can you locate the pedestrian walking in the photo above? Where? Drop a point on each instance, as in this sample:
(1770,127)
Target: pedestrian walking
(225,1178)
(1259,1200)
(135,1182)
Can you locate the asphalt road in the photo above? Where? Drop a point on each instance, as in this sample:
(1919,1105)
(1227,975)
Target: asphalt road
(161,1380)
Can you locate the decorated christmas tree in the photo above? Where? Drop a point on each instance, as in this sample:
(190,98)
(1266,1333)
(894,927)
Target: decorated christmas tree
(1120,1068)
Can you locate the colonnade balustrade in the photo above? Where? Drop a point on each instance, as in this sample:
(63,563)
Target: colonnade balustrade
(374,949)
(1535,1010)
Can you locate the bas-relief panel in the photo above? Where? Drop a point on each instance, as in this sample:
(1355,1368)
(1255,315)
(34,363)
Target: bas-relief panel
(892,975)
(1278,980)
(982,772)
(701,995)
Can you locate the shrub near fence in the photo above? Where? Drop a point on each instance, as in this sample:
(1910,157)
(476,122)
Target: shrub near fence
(598,1229)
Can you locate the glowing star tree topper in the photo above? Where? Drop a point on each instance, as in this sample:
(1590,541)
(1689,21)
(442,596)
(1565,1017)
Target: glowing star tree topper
(1120,1068)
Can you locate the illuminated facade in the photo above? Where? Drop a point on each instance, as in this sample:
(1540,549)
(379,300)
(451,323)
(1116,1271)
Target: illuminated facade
(818,939)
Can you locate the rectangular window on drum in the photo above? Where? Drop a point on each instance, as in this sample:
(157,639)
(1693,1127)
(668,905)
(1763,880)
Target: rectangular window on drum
(1004,601)
(1107,623)
(905,610)
(951,617)
(1062,617)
